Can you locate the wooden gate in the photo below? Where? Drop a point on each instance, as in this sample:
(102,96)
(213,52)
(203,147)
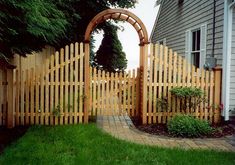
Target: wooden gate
(114,93)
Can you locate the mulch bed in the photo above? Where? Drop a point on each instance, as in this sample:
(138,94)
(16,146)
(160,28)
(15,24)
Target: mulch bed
(8,136)
(221,130)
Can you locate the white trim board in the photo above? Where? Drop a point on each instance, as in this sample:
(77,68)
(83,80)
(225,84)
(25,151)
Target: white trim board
(227,40)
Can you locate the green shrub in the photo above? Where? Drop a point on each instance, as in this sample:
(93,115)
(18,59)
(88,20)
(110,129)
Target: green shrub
(190,97)
(186,92)
(188,126)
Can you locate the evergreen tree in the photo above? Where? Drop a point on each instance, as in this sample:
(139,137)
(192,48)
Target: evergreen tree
(29,25)
(110,55)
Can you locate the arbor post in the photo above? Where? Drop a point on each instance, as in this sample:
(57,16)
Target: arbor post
(143,81)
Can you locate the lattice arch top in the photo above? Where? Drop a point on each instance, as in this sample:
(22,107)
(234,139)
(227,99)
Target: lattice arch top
(118,14)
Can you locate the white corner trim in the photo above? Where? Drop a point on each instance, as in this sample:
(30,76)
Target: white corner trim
(155,23)
(227,39)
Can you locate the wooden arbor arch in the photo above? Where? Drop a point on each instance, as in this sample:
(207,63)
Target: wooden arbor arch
(123,15)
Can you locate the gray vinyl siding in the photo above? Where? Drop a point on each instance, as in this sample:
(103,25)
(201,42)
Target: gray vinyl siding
(174,20)
(232,80)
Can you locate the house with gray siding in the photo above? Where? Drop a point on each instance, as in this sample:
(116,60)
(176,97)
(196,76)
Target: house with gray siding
(203,31)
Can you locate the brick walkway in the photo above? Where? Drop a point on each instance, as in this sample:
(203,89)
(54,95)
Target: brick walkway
(122,127)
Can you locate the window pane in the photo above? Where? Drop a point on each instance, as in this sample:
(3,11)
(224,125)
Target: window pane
(198,39)
(193,41)
(196,59)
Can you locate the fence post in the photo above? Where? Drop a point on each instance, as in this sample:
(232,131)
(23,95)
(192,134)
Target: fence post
(143,81)
(217,93)
(10,99)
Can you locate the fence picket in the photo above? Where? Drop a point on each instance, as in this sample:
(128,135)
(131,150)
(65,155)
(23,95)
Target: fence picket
(47,92)
(62,110)
(66,103)
(76,83)
(81,80)
(42,109)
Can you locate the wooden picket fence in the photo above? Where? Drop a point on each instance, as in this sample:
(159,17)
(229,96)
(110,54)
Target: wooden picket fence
(167,70)
(52,92)
(114,93)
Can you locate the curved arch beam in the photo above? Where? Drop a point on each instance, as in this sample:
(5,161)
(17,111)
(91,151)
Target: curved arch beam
(118,14)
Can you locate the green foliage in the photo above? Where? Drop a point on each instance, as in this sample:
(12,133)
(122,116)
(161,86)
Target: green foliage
(110,55)
(188,126)
(190,97)
(29,25)
(186,92)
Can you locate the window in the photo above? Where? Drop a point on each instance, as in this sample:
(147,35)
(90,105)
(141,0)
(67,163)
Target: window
(195,53)
(195,46)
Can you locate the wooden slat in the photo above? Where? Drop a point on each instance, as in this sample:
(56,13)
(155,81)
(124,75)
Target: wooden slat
(129,93)
(94,99)
(150,110)
(160,81)
(37,110)
(120,95)
(17,107)
(193,73)
(170,67)
(165,72)
(124,92)
(42,109)
(62,108)
(178,108)
(107,97)
(99,93)
(211,104)
(202,88)
(27,97)
(76,97)
(198,74)
(207,95)
(112,94)
(66,103)
(57,106)
(116,100)
(133,93)
(155,70)
(22,88)
(81,81)
(103,93)
(47,92)
(175,75)
(71,93)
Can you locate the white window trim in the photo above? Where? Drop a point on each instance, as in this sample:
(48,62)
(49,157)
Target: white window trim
(188,44)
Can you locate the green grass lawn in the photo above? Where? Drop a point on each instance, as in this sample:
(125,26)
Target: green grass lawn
(86,144)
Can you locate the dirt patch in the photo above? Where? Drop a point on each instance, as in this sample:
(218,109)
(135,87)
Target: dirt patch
(8,136)
(221,130)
